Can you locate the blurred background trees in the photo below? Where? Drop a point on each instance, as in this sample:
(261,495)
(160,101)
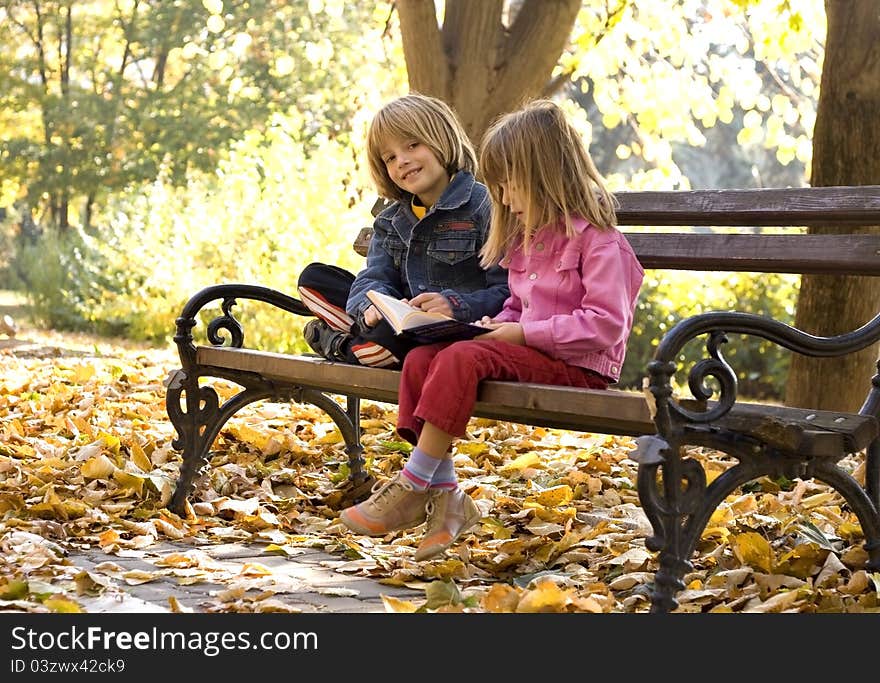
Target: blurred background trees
(149,148)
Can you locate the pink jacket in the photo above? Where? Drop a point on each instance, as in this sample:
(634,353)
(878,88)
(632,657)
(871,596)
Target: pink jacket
(575,298)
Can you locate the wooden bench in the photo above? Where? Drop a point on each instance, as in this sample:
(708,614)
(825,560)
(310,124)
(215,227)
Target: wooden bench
(762,439)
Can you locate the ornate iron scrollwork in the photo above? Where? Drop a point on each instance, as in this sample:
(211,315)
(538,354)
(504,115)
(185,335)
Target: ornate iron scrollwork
(672,487)
(195,410)
(719,325)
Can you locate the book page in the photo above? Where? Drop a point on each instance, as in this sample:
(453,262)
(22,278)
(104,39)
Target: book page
(400,314)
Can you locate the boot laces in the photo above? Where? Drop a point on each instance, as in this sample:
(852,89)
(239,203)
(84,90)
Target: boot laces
(387,492)
(434,521)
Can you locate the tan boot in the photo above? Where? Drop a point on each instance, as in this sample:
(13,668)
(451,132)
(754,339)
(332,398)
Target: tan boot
(450,514)
(394,505)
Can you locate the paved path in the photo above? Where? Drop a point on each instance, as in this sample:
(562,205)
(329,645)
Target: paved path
(304,582)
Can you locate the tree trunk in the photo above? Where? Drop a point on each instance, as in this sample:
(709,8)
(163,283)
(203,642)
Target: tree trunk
(475,63)
(846,151)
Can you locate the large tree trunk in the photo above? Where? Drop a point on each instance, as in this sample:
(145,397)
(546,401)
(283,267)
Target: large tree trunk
(846,151)
(479,66)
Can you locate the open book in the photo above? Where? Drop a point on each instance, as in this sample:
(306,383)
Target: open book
(421,326)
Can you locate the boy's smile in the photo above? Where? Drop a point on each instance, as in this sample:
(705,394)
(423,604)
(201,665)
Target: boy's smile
(412,166)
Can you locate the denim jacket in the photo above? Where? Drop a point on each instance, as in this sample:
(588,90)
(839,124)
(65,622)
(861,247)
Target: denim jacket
(439,253)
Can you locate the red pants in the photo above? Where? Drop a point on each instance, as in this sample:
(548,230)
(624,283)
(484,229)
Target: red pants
(439,381)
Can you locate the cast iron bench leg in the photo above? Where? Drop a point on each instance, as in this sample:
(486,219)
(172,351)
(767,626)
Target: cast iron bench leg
(199,423)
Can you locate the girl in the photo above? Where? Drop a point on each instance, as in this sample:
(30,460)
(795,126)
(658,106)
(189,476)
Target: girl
(425,245)
(574,280)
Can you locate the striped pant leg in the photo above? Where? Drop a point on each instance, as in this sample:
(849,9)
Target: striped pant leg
(324,290)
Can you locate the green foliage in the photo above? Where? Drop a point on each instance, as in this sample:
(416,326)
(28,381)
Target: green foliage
(66,277)
(163,85)
(274,206)
(206,142)
(664,73)
(761,367)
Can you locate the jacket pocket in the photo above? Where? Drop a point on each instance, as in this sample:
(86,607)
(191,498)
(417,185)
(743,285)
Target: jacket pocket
(569,285)
(452,250)
(453,263)
(569,259)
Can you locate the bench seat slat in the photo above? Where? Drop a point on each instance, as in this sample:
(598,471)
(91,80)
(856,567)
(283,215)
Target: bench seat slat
(812,433)
(544,405)
(809,433)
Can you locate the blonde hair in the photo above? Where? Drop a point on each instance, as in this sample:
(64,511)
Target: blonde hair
(430,121)
(536,151)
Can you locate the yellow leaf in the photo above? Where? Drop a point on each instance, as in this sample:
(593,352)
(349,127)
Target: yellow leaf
(500,598)
(849,531)
(777,602)
(87,585)
(374,423)
(719,532)
(139,458)
(819,499)
(445,569)
(82,373)
(72,509)
(136,577)
(472,448)
(169,529)
(753,550)
(141,396)
(553,496)
(129,481)
(9,501)
(857,583)
(16,589)
(178,560)
(109,537)
(333,436)
(802,561)
(112,442)
(255,569)
(82,425)
(100,467)
(546,596)
(398,606)
(247,434)
(495,527)
(588,604)
(522,462)
(61,605)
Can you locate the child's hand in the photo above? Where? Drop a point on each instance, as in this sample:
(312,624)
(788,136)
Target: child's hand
(432,302)
(512,333)
(372,316)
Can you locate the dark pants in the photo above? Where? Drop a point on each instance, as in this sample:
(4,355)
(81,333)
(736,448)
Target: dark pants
(324,290)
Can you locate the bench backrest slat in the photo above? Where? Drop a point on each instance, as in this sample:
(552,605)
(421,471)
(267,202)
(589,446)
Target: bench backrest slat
(815,254)
(840,208)
(826,206)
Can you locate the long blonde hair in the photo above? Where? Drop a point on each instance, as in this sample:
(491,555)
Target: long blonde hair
(426,119)
(539,153)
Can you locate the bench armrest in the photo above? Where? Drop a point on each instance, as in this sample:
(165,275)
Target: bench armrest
(228,293)
(717,325)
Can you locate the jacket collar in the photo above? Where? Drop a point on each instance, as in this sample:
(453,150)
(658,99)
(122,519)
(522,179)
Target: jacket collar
(455,195)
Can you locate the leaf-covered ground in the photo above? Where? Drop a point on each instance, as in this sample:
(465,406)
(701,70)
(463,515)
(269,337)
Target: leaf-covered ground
(86,460)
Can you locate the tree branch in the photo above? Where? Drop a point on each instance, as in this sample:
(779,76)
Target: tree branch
(537,38)
(426,63)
